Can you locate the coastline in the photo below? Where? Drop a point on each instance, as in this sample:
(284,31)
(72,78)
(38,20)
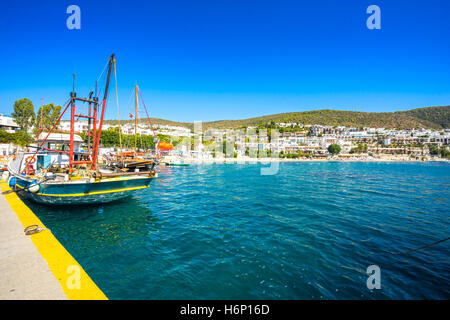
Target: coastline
(334,159)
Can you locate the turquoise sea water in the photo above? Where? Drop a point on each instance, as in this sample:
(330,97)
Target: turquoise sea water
(223,231)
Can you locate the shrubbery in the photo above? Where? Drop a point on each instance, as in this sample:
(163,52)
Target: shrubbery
(20,138)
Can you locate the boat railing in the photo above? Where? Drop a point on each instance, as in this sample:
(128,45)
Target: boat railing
(15,162)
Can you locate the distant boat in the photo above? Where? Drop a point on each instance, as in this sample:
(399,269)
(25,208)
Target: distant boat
(60,172)
(171,160)
(175,163)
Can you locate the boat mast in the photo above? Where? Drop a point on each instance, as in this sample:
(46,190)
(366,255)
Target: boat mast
(95,133)
(150,122)
(40,121)
(72,125)
(105,96)
(135,122)
(117,102)
(89,123)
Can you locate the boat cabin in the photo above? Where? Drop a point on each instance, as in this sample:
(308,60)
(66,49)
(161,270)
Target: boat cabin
(48,155)
(60,141)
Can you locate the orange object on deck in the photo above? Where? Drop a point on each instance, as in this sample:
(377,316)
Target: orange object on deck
(165,146)
(126,153)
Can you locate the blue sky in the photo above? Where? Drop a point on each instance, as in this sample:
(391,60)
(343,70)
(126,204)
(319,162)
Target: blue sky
(212,60)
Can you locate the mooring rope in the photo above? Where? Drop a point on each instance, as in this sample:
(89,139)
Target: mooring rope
(426,246)
(34,228)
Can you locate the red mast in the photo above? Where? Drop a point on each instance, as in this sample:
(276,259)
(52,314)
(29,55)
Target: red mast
(99,133)
(95,134)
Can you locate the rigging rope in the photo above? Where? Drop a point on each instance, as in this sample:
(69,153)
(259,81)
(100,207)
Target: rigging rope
(427,245)
(150,121)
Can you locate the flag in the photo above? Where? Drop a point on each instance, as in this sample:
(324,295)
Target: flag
(131,116)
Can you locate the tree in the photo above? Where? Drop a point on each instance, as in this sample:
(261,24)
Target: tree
(334,148)
(445,153)
(5,137)
(21,138)
(24,113)
(50,114)
(110,138)
(433,149)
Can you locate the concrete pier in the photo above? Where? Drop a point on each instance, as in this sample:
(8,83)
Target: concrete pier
(36,266)
(24,274)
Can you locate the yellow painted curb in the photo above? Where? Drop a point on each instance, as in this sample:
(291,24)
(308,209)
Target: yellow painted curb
(74,281)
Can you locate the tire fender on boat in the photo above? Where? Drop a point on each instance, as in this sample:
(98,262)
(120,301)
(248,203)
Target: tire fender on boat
(34,187)
(12,182)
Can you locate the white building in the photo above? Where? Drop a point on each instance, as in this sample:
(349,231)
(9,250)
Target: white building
(6,149)
(79,126)
(8,124)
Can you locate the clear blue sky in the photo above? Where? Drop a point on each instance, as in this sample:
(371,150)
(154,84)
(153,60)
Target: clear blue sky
(211,60)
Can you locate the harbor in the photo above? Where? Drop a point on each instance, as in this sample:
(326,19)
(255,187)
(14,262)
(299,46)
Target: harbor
(224,159)
(142,220)
(229,228)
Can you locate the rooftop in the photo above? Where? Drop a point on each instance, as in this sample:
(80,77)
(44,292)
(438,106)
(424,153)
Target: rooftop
(59,137)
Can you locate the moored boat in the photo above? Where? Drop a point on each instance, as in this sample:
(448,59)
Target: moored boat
(60,172)
(85,188)
(177,163)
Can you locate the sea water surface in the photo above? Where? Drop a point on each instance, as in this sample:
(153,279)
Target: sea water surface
(224,231)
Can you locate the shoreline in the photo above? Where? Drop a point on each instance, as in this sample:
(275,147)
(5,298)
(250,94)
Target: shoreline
(269,160)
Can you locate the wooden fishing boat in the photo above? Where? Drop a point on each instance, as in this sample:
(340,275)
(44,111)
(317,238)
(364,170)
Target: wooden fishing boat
(133,160)
(85,188)
(129,161)
(69,175)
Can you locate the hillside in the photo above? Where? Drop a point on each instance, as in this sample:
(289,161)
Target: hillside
(437,115)
(431,117)
(154,121)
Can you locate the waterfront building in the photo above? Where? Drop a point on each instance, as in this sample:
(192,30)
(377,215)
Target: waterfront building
(8,124)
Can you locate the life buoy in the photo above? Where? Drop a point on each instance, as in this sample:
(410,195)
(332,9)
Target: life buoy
(30,171)
(30,160)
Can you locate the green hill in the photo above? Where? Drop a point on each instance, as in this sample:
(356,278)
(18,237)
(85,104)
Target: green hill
(431,117)
(437,115)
